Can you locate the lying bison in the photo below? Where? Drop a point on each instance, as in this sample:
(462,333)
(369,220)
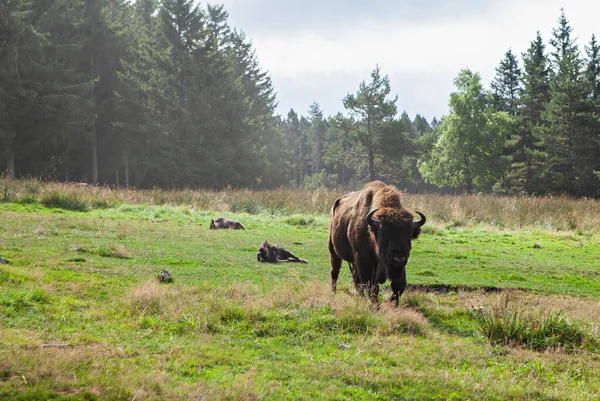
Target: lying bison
(372,232)
(222,222)
(272,253)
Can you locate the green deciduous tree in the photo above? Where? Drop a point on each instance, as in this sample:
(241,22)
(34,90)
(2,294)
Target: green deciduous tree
(471,140)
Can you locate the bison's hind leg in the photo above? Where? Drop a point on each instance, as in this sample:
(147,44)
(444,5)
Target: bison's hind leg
(336,265)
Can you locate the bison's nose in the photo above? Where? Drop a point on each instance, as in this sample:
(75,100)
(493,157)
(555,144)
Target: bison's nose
(399,260)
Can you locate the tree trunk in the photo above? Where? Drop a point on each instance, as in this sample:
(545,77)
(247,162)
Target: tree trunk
(371,165)
(94,135)
(94,144)
(117,183)
(126,161)
(371,151)
(468,178)
(10,165)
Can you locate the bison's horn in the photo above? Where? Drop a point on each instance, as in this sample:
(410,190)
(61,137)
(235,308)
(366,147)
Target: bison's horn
(420,222)
(370,221)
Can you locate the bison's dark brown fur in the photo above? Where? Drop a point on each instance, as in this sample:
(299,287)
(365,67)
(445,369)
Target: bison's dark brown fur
(372,232)
(272,253)
(222,222)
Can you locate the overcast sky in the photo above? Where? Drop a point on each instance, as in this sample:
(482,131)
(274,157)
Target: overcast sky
(320,50)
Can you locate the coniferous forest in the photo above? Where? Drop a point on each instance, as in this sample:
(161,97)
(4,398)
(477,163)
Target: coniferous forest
(167,94)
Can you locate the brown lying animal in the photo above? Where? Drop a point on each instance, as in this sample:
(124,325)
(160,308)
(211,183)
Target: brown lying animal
(222,222)
(372,231)
(271,253)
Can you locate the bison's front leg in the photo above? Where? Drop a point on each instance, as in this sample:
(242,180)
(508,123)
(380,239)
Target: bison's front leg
(374,292)
(398,285)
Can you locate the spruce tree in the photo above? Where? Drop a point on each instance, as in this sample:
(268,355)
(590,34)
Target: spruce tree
(565,117)
(506,85)
(522,153)
(36,96)
(588,149)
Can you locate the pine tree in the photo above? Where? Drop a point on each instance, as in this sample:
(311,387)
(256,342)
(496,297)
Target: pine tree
(374,111)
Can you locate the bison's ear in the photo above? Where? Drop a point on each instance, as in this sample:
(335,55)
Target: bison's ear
(416,232)
(373,223)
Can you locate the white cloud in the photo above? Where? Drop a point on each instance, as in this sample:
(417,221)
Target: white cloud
(323,62)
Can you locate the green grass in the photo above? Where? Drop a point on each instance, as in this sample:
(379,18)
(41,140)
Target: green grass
(228,327)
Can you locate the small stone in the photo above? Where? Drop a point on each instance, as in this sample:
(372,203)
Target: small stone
(3,261)
(537,245)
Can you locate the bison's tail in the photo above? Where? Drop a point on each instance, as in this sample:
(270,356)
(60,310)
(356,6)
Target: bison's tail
(335,205)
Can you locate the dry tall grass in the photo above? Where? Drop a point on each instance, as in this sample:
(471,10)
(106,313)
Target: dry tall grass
(552,213)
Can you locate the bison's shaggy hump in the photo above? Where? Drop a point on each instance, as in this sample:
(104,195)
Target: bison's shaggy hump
(384,196)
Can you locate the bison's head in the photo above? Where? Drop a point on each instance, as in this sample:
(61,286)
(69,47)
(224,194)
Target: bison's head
(394,229)
(212,225)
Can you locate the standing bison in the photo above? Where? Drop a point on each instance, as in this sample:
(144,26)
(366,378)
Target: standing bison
(222,222)
(372,232)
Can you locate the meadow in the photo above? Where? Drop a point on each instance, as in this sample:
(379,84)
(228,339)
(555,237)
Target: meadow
(503,299)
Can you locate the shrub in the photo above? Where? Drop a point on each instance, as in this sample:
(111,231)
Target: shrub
(62,200)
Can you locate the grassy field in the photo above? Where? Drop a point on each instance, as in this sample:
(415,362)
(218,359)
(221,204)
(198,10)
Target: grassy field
(500,306)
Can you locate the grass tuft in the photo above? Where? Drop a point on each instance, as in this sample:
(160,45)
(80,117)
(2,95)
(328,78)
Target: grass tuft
(23,299)
(61,200)
(299,220)
(247,206)
(98,203)
(146,299)
(503,324)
